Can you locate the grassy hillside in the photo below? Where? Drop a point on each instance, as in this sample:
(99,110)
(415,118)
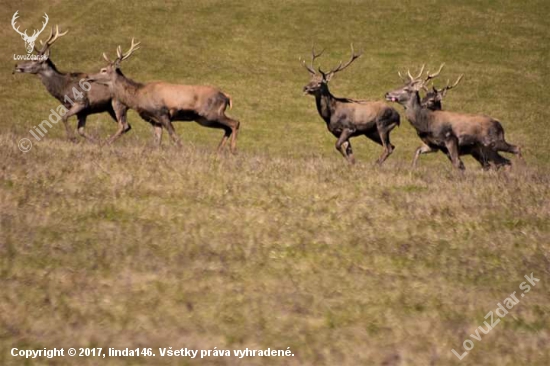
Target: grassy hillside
(283,245)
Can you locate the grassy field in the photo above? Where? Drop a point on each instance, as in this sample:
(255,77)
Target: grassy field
(283,245)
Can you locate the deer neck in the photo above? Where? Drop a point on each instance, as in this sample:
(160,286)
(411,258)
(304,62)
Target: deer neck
(325,104)
(418,116)
(126,91)
(54,81)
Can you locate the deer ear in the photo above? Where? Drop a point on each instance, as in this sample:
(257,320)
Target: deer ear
(46,55)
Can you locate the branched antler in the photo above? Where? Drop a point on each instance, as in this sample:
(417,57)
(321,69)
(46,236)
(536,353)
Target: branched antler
(51,39)
(449,87)
(340,67)
(432,76)
(123,56)
(314,56)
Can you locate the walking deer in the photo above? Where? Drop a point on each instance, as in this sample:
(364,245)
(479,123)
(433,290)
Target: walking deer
(160,103)
(68,89)
(346,118)
(453,133)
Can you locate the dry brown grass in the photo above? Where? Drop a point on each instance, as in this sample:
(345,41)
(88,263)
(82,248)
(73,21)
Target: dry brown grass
(131,246)
(283,245)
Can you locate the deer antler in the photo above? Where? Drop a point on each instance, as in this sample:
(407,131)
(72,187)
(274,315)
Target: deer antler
(449,87)
(51,39)
(412,78)
(340,67)
(123,56)
(432,76)
(314,56)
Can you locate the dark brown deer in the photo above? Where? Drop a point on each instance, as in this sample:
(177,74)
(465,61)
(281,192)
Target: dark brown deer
(453,133)
(160,103)
(346,118)
(65,86)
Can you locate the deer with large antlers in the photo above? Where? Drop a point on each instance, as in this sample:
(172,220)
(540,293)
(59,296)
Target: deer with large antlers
(64,87)
(160,103)
(346,118)
(29,40)
(453,133)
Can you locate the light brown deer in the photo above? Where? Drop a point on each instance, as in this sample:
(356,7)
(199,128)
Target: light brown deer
(160,103)
(432,100)
(453,133)
(346,118)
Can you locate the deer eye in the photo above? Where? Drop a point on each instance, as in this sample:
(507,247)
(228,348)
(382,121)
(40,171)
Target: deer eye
(103,71)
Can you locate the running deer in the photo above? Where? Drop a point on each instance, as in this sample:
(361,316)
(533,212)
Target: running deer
(160,103)
(77,97)
(346,118)
(453,133)
(432,100)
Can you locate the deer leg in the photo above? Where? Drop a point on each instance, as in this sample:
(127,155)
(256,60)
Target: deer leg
(492,156)
(157,132)
(166,123)
(481,158)
(506,147)
(226,135)
(233,126)
(118,113)
(384,132)
(452,147)
(75,109)
(424,149)
(81,126)
(70,134)
(342,144)
(347,147)
(157,128)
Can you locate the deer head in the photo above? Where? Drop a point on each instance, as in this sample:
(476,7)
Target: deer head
(106,75)
(413,84)
(29,40)
(320,80)
(432,99)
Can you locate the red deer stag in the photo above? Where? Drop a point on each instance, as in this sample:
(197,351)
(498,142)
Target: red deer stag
(69,89)
(346,118)
(432,100)
(453,133)
(160,103)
